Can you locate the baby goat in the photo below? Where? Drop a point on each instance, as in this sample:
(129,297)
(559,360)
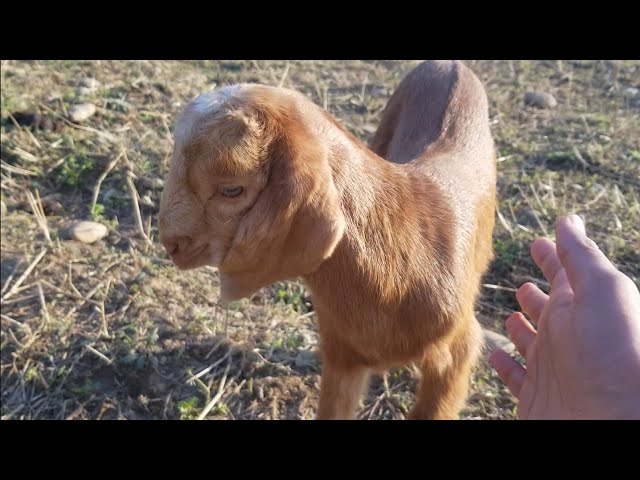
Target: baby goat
(391,241)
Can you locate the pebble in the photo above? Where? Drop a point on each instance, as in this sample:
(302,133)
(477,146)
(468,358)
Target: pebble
(82,111)
(152,183)
(631,92)
(305,358)
(88,82)
(540,100)
(147,202)
(494,341)
(82,91)
(88,232)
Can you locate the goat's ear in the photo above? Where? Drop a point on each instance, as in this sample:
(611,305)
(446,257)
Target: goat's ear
(294,225)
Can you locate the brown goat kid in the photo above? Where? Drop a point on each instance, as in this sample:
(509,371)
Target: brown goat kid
(392,242)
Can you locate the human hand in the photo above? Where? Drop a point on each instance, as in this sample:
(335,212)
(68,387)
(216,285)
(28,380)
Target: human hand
(583,360)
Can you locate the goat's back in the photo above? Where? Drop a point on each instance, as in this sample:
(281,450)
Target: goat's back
(437,123)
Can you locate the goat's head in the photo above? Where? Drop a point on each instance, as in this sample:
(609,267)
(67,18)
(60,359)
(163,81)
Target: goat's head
(249,190)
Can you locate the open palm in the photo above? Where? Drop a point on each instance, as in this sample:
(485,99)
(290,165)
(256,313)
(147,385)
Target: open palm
(583,360)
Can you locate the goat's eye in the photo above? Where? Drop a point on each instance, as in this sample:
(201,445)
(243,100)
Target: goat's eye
(231,191)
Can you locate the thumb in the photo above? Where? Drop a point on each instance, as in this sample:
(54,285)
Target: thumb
(579,255)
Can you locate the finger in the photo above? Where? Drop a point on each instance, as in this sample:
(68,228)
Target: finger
(579,255)
(510,372)
(520,332)
(532,300)
(543,252)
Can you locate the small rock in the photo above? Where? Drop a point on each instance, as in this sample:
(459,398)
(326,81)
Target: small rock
(631,92)
(232,66)
(88,82)
(54,96)
(540,100)
(147,202)
(369,128)
(306,358)
(162,88)
(309,338)
(238,315)
(25,119)
(152,183)
(157,384)
(35,120)
(82,91)
(82,111)
(494,341)
(582,63)
(18,72)
(87,85)
(50,205)
(88,232)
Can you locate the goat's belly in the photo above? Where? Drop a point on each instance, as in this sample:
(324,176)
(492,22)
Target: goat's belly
(385,341)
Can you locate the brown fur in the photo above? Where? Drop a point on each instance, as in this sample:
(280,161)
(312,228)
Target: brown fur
(392,250)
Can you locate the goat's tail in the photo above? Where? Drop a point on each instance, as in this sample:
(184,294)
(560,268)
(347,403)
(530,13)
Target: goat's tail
(439,106)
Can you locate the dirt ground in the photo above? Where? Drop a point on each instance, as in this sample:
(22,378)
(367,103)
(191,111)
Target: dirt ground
(112,330)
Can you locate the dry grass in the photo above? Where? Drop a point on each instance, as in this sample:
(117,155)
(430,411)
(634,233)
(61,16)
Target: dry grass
(112,330)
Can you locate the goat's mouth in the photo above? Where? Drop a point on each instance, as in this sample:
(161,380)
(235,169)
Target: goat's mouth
(193,258)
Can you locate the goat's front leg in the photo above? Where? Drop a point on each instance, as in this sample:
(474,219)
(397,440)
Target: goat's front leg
(340,391)
(342,384)
(446,371)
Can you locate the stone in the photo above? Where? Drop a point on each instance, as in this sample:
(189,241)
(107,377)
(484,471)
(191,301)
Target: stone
(81,112)
(152,183)
(82,91)
(369,128)
(88,82)
(147,202)
(631,92)
(495,341)
(88,232)
(540,100)
(306,358)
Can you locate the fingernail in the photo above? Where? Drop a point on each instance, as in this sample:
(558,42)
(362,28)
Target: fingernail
(578,223)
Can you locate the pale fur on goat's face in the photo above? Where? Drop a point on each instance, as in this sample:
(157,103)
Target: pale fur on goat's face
(282,218)
(195,210)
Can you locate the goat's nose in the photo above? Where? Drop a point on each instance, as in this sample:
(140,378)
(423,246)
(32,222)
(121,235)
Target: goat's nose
(175,244)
